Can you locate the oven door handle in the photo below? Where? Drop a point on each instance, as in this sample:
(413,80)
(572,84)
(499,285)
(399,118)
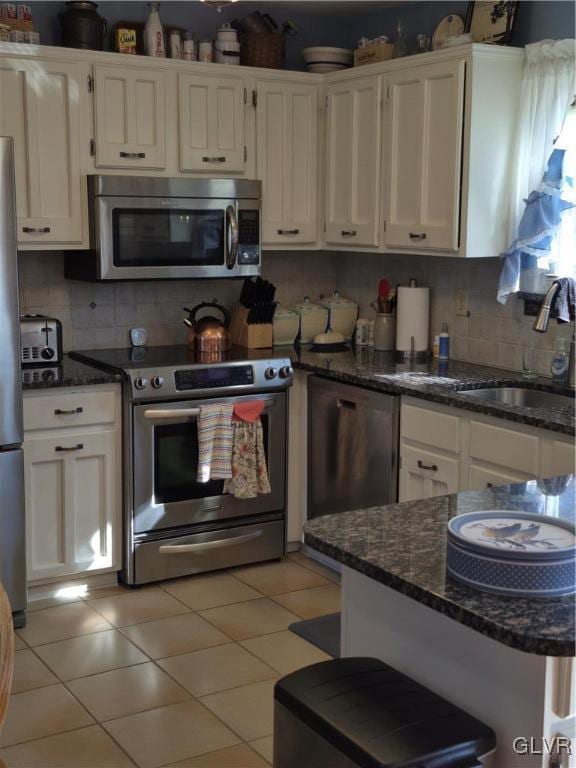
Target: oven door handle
(232,237)
(175,413)
(180,549)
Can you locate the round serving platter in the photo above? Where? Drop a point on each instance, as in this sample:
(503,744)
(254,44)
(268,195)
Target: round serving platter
(513,553)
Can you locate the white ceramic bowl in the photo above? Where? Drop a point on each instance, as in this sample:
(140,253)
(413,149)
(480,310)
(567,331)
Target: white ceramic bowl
(321,69)
(327,55)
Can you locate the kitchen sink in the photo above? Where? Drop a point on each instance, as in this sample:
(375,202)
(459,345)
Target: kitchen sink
(529,398)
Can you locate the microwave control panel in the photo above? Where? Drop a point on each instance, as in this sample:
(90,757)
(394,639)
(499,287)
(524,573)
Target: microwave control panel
(248,236)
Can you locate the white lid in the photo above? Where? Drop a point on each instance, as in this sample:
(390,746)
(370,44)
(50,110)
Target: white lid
(308,307)
(337,301)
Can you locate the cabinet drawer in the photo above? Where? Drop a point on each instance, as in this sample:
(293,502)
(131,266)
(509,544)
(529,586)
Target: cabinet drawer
(504,447)
(430,427)
(430,473)
(480,478)
(69,410)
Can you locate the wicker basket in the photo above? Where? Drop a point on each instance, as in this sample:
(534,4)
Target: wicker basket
(262,49)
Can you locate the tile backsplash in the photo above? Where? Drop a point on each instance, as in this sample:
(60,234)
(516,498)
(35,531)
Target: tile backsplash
(100,315)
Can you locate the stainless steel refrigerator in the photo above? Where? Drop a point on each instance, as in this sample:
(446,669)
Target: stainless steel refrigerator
(12,526)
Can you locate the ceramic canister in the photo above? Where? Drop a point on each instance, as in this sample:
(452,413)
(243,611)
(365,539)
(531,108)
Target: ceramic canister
(226,45)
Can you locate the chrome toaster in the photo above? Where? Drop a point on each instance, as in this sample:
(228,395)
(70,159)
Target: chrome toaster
(40,340)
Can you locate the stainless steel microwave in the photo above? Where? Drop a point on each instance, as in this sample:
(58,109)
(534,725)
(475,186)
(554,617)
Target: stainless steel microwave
(144,228)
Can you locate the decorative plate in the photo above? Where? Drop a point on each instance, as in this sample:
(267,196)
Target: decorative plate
(450,26)
(520,535)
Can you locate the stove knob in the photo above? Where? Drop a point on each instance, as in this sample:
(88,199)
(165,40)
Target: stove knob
(270,373)
(47,353)
(140,382)
(157,381)
(285,372)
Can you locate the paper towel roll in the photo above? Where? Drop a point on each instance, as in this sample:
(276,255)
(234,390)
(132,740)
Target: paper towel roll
(412,319)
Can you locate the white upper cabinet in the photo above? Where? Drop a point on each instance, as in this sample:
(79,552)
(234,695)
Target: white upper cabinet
(39,110)
(353,161)
(211,123)
(425,112)
(287,161)
(130,117)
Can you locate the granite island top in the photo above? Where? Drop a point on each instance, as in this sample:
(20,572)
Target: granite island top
(71,373)
(436,381)
(404,547)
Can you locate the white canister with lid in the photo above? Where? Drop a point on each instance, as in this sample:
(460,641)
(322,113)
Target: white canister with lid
(313,319)
(342,314)
(285,326)
(226,45)
(205,51)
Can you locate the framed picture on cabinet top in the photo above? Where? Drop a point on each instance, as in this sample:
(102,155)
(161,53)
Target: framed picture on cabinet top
(491,22)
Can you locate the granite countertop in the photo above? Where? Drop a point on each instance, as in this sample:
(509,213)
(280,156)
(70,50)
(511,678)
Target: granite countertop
(435,381)
(71,373)
(404,547)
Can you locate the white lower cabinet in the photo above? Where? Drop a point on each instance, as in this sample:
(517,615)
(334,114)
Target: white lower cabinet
(73,490)
(427,473)
(445,450)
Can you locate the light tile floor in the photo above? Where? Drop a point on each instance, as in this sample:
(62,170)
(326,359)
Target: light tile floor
(179,674)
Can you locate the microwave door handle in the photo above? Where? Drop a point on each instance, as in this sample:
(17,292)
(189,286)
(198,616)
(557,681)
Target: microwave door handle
(232,237)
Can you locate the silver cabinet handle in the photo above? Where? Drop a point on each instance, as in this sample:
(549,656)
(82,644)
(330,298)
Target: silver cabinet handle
(133,155)
(220,159)
(180,549)
(232,237)
(348,232)
(182,413)
(288,231)
(63,448)
(36,230)
(433,467)
(417,235)
(60,412)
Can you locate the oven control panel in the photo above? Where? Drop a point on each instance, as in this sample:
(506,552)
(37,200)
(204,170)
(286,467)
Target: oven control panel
(209,380)
(217,377)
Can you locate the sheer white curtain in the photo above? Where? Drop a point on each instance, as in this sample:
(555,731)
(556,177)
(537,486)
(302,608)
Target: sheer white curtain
(548,87)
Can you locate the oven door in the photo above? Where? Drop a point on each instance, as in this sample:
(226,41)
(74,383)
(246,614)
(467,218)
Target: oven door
(166,491)
(151,238)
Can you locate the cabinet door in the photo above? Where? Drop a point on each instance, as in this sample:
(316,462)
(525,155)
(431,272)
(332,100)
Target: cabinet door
(40,111)
(425,473)
(480,477)
(424,154)
(211,120)
(129,113)
(353,162)
(287,134)
(71,502)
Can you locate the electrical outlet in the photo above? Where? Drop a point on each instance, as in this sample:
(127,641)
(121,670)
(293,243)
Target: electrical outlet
(462,302)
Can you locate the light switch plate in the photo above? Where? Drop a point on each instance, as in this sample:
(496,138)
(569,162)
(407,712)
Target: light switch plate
(462,302)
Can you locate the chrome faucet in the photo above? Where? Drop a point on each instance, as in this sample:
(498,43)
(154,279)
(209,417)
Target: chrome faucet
(541,326)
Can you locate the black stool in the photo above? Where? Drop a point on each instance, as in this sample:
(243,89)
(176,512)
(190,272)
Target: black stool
(361,713)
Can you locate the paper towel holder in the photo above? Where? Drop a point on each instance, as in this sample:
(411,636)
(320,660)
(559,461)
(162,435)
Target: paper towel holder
(411,354)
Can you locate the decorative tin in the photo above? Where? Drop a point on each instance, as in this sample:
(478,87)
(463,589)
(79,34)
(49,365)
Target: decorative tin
(513,553)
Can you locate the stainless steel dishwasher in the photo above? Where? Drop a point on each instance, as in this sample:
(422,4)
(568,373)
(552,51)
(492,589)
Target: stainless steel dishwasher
(352,447)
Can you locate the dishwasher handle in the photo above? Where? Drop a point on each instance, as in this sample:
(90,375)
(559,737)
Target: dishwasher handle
(349,404)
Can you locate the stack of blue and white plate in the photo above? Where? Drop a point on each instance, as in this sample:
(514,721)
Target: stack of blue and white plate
(513,553)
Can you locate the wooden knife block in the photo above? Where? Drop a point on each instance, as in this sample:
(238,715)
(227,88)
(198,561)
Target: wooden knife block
(257,336)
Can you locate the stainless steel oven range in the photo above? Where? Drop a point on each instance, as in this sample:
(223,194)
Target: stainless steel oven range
(173,524)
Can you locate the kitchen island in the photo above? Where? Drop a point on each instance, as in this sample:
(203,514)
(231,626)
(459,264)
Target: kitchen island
(506,660)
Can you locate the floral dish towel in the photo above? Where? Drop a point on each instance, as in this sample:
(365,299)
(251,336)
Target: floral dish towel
(249,472)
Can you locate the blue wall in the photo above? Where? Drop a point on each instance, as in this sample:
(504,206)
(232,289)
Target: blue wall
(536,20)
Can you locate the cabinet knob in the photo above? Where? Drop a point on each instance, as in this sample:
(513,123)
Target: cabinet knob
(432,467)
(36,230)
(133,155)
(221,159)
(288,231)
(64,448)
(417,235)
(348,232)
